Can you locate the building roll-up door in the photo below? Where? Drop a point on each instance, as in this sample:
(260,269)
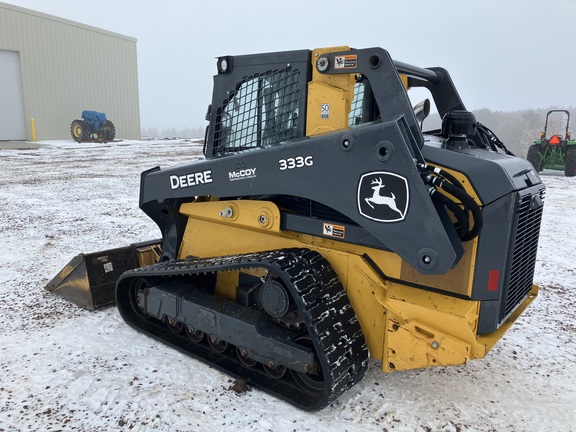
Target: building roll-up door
(12,123)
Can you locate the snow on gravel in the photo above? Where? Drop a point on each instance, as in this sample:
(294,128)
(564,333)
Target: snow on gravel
(65,368)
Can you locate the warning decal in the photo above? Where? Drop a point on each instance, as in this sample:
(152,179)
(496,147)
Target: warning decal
(349,61)
(333,230)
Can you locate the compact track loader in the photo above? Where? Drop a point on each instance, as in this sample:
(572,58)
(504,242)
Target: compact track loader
(324,228)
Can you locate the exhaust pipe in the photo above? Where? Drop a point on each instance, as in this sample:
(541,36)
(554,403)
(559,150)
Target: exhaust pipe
(422,110)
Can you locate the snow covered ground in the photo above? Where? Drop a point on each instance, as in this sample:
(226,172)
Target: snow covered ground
(65,368)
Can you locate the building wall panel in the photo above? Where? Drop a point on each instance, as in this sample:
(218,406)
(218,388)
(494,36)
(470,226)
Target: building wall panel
(12,122)
(68,67)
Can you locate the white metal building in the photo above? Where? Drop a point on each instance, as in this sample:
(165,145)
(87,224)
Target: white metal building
(51,69)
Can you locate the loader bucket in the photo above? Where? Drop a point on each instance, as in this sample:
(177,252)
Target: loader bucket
(89,280)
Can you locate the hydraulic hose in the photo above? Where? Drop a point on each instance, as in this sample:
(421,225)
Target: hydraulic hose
(443,173)
(461,216)
(469,204)
(467,201)
(493,139)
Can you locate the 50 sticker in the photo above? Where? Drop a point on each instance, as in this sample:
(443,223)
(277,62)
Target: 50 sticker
(296,162)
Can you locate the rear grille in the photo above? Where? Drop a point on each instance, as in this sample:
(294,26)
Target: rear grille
(529,218)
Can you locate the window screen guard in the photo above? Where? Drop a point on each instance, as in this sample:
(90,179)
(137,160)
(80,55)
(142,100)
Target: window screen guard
(262,111)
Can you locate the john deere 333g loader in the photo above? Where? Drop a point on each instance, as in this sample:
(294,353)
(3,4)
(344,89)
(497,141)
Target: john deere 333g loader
(324,228)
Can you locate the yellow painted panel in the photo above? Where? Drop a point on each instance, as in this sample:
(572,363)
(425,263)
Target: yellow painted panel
(328,109)
(414,345)
(226,284)
(329,97)
(403,326)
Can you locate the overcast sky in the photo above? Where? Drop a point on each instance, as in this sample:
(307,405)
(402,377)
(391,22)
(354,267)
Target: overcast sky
(501,54)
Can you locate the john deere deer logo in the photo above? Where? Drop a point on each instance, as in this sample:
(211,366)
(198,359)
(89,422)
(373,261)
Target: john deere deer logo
(383,196)
(378,199)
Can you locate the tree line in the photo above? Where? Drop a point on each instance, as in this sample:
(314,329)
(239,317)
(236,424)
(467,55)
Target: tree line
(153,132)
(516,129)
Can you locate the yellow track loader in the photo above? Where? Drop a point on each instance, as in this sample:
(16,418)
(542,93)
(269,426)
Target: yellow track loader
(324,227)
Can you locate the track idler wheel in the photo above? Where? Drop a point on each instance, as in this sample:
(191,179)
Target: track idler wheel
(137,293)
(312,381)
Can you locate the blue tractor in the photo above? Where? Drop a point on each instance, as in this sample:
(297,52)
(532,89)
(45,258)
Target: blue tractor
(93,126)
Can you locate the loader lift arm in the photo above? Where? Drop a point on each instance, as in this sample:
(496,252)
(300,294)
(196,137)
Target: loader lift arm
(389,144)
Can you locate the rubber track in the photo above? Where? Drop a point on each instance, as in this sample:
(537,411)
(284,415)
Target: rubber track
(329,318)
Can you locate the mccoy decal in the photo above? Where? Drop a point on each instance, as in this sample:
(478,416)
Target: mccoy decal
(242,172)
(383,196)
(192,179)
(346,61)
